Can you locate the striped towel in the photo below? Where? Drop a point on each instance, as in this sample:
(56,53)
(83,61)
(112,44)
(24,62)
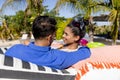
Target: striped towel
(13,68)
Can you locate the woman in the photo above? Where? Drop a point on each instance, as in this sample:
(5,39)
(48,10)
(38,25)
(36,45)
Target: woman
(73,34)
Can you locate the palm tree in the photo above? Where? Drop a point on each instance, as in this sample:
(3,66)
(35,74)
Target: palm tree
(85,7)
(5,33)
(114,17)
(32,8)
(15,5)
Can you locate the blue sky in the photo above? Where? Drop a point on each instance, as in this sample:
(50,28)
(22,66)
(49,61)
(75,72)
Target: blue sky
(11,10)
(1,2)
(50,3)
(63,12)
(66,12)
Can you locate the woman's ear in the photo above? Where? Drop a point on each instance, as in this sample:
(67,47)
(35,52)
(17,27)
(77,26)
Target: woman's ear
(77,38)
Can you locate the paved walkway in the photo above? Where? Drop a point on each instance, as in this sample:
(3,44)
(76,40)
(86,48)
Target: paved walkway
(8,43)
(105,41)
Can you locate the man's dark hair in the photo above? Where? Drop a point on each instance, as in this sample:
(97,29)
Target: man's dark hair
(43,26)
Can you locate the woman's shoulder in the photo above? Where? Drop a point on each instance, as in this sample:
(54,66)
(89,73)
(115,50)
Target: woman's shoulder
(70,50)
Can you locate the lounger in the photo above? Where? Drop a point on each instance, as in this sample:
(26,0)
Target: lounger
(15,69)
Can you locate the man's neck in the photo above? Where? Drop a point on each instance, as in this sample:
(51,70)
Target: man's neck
(41,43)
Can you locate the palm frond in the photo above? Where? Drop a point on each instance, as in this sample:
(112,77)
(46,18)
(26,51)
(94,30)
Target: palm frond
(13,5)
(112,15)
(116,4)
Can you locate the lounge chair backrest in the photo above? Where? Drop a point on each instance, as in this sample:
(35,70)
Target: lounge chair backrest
(13,68)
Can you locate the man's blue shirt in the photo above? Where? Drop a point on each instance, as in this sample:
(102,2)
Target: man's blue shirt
(45,56)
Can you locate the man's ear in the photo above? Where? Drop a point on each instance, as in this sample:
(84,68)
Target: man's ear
(49,37)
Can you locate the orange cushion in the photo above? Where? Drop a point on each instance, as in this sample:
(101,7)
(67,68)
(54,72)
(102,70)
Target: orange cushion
(107,57)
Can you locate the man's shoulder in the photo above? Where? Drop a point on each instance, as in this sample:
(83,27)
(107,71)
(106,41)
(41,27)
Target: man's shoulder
(19,45)
(16,47)
(83,48)
(16,50)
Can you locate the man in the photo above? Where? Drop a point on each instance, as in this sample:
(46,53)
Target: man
(39,52)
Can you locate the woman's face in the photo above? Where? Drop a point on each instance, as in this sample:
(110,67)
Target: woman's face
(68,36)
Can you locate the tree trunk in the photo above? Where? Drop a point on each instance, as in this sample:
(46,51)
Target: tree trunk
(115,30)
(91,29)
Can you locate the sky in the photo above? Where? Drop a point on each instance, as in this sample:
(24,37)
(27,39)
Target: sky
(64,12)
(1,2)
(9,9)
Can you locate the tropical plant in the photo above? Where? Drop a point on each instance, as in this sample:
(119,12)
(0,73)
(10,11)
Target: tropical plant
(16,23)
(10,23)
(84,7)
(1,33)
(114,17)
(5,31)
(61,24)
(34,8)
(22,20)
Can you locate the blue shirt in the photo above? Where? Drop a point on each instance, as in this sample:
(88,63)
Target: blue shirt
(45,56)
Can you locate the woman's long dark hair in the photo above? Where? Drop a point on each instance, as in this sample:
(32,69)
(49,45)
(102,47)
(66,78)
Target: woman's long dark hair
(78,26)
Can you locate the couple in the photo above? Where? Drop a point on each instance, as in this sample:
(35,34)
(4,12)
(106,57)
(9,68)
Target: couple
(39,52)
